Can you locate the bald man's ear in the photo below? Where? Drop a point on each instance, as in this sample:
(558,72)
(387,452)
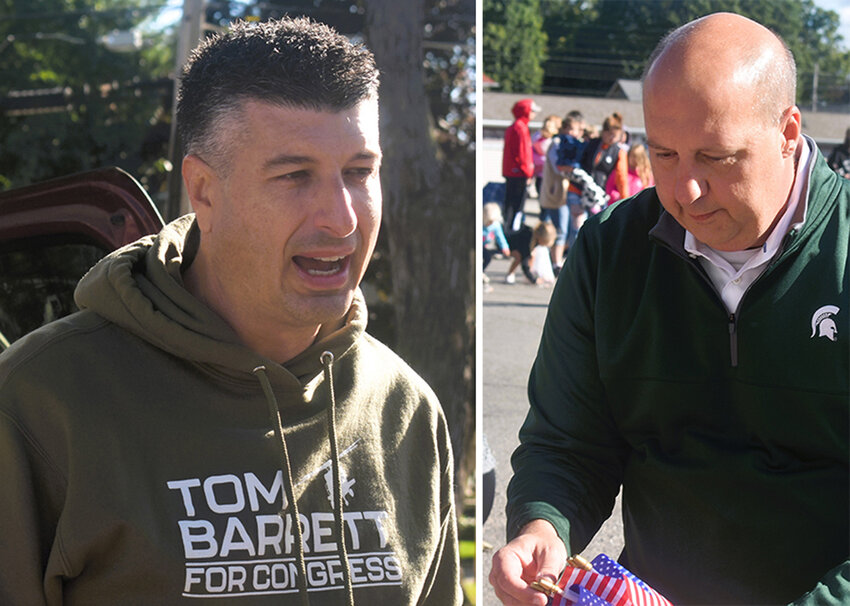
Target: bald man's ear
(792,128)
(202,184)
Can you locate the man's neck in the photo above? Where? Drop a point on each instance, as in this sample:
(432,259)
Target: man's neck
(271,340)
(796,193)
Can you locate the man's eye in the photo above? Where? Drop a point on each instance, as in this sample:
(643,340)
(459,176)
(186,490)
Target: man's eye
(720,160)
(297,175)
(361,172)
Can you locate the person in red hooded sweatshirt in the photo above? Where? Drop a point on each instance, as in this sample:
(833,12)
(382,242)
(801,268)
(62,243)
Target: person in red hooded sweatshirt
(517,162)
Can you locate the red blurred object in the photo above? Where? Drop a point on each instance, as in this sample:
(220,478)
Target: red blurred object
(107,206)
(51,233)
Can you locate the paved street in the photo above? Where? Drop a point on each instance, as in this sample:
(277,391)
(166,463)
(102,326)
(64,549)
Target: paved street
(513,317)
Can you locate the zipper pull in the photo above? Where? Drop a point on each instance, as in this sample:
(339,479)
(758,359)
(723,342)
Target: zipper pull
(733,341)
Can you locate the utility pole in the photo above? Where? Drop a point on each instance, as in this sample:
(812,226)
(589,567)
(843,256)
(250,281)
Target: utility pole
(191,32)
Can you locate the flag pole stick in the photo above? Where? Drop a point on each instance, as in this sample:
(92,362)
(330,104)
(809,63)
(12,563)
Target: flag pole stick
(550,588)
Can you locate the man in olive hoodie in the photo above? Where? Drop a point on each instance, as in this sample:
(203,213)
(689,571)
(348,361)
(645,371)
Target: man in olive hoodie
(216,423)
(696,351)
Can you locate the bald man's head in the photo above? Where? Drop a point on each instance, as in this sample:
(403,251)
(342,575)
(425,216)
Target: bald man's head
(722,129)
(728,50)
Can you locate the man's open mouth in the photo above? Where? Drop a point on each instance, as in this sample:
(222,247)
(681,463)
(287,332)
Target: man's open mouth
(320,266)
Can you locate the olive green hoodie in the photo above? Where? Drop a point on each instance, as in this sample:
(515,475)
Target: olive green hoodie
(150,458)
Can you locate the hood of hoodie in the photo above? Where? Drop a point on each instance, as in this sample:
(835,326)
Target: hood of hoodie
(140,288)
(522,109)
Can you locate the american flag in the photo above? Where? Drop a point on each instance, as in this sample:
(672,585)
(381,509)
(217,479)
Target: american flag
(608,584)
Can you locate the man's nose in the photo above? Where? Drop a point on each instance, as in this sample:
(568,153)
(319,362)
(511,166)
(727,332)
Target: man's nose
(690,185)
(335,213)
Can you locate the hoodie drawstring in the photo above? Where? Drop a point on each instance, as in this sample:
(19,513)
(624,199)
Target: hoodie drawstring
(326,359)
(289,490)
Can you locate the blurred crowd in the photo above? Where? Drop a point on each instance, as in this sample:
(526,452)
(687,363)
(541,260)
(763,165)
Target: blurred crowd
(575,170)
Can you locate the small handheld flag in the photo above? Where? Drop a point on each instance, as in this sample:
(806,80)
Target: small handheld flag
(602,582)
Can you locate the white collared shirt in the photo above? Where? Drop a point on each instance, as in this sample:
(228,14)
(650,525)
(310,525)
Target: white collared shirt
(733,272)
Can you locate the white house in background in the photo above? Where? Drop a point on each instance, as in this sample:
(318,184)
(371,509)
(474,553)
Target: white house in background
(631,90)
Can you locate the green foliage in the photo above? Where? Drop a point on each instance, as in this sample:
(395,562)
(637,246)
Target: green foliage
(449,62)
(105,103)
(514,44)
(594,42)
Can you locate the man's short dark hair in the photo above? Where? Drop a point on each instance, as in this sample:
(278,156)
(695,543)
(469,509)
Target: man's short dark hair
(297,63)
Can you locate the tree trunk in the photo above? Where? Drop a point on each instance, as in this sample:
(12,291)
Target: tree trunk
(429,220)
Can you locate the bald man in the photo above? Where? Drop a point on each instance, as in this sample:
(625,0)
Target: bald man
(696,351)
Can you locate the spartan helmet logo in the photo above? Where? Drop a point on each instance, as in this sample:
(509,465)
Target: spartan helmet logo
(822,323)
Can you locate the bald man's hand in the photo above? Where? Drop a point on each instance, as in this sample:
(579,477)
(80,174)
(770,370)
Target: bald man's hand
(536,552)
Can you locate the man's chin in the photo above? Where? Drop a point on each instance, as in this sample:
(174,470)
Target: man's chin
(715,235)
(725,242)
(324,308)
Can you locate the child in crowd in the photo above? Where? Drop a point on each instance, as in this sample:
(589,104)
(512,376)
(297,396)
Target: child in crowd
(570,152)
(519,242)
(522,242)
(541,261)
(494,236)
(571,146)
(540,142)
(639,175)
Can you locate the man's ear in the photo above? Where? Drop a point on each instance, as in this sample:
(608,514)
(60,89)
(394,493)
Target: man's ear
(202,184)
(792,129)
